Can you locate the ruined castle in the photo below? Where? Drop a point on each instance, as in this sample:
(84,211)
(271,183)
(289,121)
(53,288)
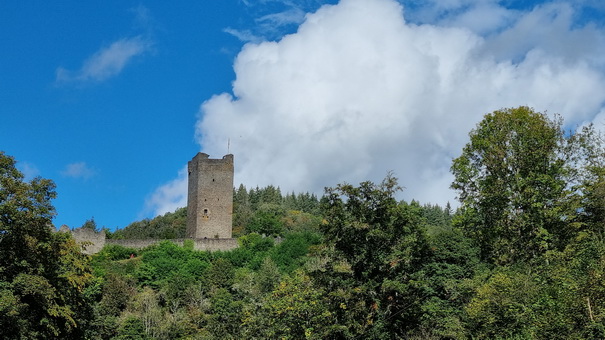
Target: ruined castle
(210,197)
(209,210)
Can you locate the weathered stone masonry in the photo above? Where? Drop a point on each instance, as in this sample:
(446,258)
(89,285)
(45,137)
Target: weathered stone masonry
(210,197)
(209,210)
(92,242)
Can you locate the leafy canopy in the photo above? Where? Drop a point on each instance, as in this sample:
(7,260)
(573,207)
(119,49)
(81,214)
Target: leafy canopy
(42,274)
(511,181)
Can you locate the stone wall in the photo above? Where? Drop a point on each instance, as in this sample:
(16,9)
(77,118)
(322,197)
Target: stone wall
(92,242)
(207,244)
(209,210)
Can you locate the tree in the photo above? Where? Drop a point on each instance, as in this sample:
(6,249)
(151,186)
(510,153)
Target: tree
(42,274)
(168,226)
(375,249)
(589,158)
(511,182)
(225,315)
(294,310)
(267,220)
(145,305)
(454,260)
(506,305)
(242,210)
(90,224)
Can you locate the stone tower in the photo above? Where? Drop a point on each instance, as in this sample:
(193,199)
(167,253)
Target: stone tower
(210,197)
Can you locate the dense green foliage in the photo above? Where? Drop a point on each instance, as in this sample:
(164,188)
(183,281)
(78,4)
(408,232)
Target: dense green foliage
(531,198)
(376,248)
(523,257)
(511,182)
(168,226)
(261,210)
(43,275)
(166,291)
(266,211)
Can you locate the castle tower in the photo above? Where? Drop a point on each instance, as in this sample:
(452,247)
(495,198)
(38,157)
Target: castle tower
(210,197)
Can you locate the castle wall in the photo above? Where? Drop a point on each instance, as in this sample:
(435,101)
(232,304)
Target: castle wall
(92,242)
(210,197)
(209,210)
(208,244)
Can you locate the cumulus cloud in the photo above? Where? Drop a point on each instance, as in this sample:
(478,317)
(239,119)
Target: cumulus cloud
(79,170)
(550,28)
(109,61)
(357,91)
(169,196)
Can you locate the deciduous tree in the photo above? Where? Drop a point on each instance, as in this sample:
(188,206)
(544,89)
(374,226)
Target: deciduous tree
(42,274)
(375,249)
(511,181)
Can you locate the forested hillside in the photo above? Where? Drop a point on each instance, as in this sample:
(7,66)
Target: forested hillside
(523,257)
(262,210)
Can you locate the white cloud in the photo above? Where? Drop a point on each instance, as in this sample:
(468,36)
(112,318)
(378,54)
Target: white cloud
(273,18)
(169,196)
(483,15)
(293,15)
(550,28)
(78,170)
(107,62)
(357,92)
(243,35)
(29,170)
(482,18)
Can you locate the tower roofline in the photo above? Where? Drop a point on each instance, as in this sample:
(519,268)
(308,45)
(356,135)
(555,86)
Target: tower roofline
(210,196)
(204,155)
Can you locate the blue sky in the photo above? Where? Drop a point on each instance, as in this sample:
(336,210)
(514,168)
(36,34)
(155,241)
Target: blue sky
(111,99)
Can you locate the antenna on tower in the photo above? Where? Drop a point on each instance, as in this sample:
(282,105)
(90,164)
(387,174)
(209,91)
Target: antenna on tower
(228,146)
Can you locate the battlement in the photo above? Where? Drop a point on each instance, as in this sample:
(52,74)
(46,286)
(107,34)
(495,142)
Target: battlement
(201,157)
